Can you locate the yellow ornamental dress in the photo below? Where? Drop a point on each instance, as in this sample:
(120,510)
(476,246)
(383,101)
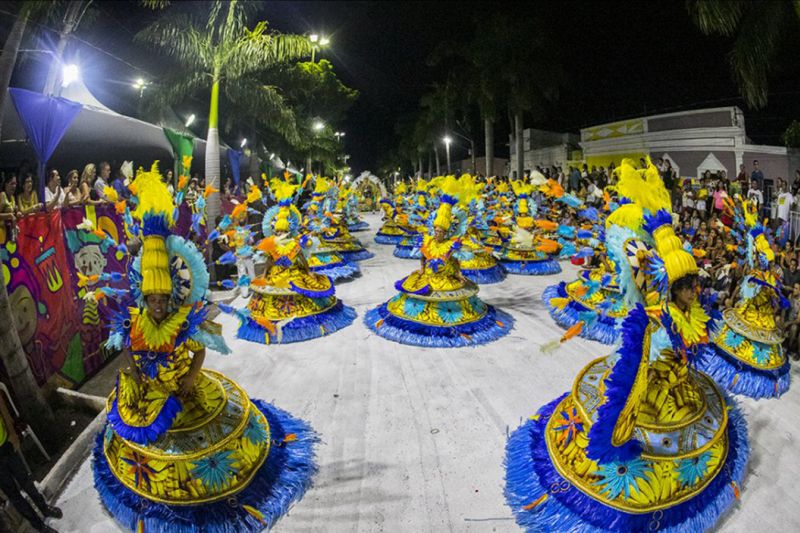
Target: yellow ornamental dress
(390,232)
(290,303)
(437,306)
(158,444)
(479,265)
(642,442)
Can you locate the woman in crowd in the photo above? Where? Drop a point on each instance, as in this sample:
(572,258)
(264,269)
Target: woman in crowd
(9,212)
(28,199)
(74,196)
(54,195)
(88,193)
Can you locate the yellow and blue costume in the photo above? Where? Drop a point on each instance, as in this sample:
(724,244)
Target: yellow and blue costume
(642,442)
(746,353)
(409,246)
(525,252)
(389,233)
(333,231)
(290,303)
(209,458)
(436,305)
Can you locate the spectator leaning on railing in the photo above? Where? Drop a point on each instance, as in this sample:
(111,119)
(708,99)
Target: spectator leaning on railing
(54,195)
(28,198)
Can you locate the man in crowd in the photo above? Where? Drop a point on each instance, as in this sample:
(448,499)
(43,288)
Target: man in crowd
(14,476)
(574,180)
(754,195)
(785,201)
(103,181)
(757,175)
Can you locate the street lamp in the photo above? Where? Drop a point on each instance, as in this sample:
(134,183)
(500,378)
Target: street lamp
(244,142)
(141,85)
(69,74)
(339,135)
(447,140)
(318,125)
(317,43)
(190,120)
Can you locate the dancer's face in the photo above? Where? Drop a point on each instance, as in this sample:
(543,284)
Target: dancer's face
(157,305)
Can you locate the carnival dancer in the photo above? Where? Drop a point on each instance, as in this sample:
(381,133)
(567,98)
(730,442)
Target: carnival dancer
(389,233)
(333,231)
(480,265)
(322,260)
(524,251)
(437,306)
(746,352)
(184,448)
(351,213)
(409,246)
(643,442)
(289,303)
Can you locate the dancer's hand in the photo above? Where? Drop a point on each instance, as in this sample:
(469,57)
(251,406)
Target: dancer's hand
(186,385)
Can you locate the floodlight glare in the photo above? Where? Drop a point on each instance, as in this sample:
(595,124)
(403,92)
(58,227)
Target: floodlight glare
(69,74)
(318,125)
(324,41)
(244,142)
(313,37)
(190,120)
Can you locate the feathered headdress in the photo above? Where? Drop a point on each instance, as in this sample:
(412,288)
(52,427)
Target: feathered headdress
(154,207)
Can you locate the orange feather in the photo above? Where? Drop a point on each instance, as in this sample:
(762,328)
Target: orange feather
(572,331)
(546,225)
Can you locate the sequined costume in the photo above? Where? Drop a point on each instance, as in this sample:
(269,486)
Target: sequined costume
(524,251)
(642,442)
(389,233)
(290,303)
(746,353)
(436,305)
(185,458)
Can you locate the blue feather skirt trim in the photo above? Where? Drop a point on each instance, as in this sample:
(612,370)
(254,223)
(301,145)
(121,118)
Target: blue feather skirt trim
(280,482)
(530,475)
(361,225)
(382,238)
(739,378)
(300,329)
(361,255)
(338,272)
(604,329)
(146,434)
(493,325)
(486,276)
(407,252)
(532,268)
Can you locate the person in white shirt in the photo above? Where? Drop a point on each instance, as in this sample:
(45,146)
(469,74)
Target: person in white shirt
(754,195)
(54,195)
(103,181)
(785,202)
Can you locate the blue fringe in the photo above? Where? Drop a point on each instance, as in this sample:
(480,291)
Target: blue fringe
(330,291)
(300,329)
(543,267)
(530,474)
(358,226)
(751,382)
(382,238)
(361,255)
(662,217)
(146,434)
(618,388)
(280,482)
(155,224)
(604,329)
(398,285)
(479,332)
(407,252)
(338,272)
(485,276)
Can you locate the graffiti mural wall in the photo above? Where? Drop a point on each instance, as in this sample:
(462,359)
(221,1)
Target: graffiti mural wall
(60,330)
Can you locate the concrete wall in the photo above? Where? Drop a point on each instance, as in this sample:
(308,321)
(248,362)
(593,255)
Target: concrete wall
(688,161)
(465,165)
(773,166)
(712,119)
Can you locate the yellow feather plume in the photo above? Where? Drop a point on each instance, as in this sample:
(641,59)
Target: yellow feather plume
(152,194)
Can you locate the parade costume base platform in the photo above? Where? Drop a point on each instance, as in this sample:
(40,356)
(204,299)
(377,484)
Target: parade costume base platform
(280,481)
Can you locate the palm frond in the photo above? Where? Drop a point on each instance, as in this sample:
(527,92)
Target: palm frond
(177,36)
(717,16)
(265,103)
(257,50)
(754,49)
(175,88)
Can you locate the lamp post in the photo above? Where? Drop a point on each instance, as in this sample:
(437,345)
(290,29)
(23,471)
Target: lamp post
(317,43)
(140,84)
(339,135)
(447,140)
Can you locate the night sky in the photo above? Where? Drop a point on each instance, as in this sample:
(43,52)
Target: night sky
(621,59)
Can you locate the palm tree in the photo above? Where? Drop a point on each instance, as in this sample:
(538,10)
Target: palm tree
(758,29)
(216,47)
(31,401)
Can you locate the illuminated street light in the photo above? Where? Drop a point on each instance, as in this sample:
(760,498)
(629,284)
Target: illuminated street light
(447,140)
(141,85)
(271,156)
(317,43)
(244,142)
(324,41)
(318,125)
(313,37)
(190,120)
(69,74)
